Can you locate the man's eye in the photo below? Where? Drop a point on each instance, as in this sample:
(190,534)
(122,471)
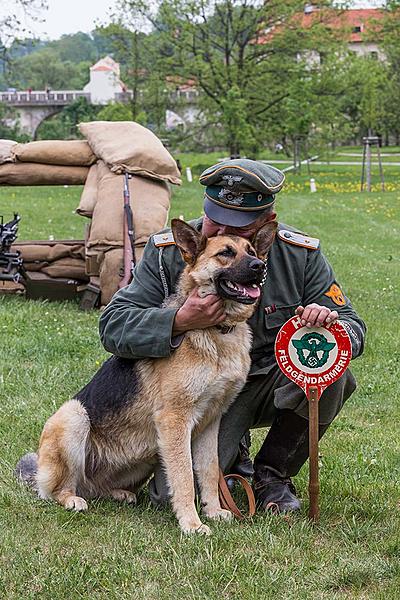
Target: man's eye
(227,252)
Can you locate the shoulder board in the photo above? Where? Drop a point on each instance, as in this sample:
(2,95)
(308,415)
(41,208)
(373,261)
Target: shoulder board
(163,239)
(298,239)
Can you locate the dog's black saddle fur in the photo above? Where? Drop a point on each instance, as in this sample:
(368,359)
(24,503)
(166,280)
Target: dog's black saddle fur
(112,387)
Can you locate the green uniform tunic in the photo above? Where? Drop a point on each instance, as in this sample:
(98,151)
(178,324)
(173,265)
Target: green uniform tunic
(135,325)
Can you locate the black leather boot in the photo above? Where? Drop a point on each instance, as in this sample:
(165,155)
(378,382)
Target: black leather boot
(243,464)
(283,453)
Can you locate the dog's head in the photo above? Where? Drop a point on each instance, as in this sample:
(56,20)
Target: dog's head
(229,266)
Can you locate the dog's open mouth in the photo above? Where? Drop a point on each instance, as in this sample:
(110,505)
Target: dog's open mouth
(231,290)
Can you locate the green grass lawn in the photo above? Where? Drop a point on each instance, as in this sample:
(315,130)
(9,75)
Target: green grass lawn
(48,351)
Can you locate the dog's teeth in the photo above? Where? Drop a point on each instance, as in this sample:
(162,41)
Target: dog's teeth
(254,285)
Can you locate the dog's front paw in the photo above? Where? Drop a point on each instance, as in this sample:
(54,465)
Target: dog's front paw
(190,528)
(75,503)
(219,514)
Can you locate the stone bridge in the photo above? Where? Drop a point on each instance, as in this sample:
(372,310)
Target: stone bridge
(34,107)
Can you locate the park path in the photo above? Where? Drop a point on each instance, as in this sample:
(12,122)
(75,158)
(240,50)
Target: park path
(335,162)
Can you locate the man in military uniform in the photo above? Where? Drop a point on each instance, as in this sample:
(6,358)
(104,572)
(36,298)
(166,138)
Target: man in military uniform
(239,199)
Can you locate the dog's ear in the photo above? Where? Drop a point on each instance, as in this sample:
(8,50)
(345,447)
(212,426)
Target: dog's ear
(189,241)
(264,238)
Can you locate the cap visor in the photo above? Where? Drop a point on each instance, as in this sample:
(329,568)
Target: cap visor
(228,216)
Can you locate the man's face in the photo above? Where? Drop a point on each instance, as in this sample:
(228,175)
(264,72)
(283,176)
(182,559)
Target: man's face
(211,228)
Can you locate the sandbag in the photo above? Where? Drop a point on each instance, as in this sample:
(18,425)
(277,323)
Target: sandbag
(67,267)
(128,146)
(89,195)
(6,154)
(11,287)
(55,152)
(39,174)
(44,251)
(149,203)
(64,267)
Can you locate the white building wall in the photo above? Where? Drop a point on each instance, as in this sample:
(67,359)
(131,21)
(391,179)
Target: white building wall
(103,86)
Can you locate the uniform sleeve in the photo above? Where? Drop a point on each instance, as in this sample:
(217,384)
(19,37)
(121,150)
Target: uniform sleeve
(320,286)
(134,325)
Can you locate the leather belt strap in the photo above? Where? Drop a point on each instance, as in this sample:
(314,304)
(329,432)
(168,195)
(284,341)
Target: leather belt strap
(227,500)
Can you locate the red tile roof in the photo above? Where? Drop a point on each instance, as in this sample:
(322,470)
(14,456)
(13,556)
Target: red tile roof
(366,19)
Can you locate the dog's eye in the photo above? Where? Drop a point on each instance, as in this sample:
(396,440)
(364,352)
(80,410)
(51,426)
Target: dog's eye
(228,251)
(251,252)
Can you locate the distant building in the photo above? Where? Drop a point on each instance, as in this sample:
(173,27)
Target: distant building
(362,33)
(104,81)
(359,27)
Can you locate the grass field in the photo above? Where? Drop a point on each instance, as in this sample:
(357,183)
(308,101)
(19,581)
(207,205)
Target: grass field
(48,351)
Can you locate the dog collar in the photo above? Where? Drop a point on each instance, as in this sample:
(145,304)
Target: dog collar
(225,328)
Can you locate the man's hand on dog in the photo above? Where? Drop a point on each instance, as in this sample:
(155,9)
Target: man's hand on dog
(199,313)
(315,315)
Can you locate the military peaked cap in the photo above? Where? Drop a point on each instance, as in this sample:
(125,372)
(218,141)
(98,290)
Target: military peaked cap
(237,190)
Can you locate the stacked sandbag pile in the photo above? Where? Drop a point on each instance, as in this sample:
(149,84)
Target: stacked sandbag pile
(109,150)
(61,258)
(123,147)
(47,162)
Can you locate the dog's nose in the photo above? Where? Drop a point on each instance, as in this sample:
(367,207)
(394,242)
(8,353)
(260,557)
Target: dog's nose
(256,265)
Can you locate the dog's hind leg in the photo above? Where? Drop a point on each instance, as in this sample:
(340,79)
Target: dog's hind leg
(126,484)
(205,462)
(174,436)
(62,454)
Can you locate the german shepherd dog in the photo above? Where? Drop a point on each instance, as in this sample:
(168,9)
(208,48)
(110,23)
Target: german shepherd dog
(107,439)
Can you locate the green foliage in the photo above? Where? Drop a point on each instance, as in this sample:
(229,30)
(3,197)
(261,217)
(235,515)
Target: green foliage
(64,124)
(115,111)
(9,124)
(75,48)
(243,72)
(45,69)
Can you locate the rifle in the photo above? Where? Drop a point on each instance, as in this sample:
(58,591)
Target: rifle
(10,262)
(129,237)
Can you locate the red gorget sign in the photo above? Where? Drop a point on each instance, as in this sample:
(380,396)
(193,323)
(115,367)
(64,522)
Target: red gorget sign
(312,356)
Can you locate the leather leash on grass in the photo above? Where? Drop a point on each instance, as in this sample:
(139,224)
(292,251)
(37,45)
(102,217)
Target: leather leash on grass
(227,500)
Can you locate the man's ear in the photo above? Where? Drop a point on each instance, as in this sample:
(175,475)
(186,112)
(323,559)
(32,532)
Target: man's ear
(189,241)
(264,238)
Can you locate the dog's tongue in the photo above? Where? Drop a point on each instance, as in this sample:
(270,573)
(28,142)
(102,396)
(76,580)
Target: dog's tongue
(253,292)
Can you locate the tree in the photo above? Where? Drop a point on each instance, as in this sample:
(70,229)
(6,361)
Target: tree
(45,69)
(64,124)
(241,54)
(116,111)
(9,124)
(391,45)
(16,18)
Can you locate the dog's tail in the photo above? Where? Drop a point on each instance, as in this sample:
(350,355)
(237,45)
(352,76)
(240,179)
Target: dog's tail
(26,469)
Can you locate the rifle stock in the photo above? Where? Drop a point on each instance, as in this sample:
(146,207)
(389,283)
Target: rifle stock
(129,237)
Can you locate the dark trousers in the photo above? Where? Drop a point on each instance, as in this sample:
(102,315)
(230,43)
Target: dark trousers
(256,406)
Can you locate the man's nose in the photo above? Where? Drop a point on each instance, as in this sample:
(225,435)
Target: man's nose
(224,230)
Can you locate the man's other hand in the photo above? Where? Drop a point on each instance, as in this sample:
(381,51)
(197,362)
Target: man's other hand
(199,313)
(315,315)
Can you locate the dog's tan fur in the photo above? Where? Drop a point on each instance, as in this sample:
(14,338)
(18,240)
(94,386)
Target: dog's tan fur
(176,414)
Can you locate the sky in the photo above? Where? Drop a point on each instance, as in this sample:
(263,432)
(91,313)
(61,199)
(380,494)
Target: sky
(71,16)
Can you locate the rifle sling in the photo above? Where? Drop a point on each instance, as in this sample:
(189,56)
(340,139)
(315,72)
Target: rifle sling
(131,229)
